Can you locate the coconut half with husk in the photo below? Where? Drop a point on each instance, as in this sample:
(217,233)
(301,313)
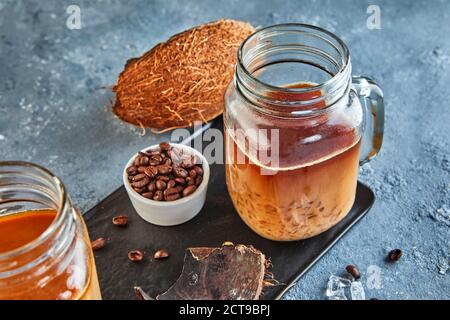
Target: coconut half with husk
(225,273)
(229,272)
(183,80)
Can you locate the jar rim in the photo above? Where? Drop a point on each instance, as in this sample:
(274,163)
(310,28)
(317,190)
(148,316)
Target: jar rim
(329,82)
(52,228)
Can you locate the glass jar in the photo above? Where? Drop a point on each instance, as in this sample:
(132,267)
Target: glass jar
(56,262)
(294,124)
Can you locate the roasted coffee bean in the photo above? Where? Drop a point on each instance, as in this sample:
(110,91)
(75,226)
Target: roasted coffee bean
(164,169)
(199,170)
(161,254)
(151,152)
(161,185)
(166,174)
(140,190)
(353,270)
(151,187)
(120,221)
(132,170)
(143,154)
(192,173)
(189,190)
(135,255)
(151,171)
(141,161)
(187,164)
(148,195)
(163,178)
(198,180)
(137,161)
(158,196)
(171,184)
(190,181)
(171,194)
(395,255)
(155,160)
(164,146)
(141,183)
(98,244)
(180,181)
(180,172)
(139,177)
(141,169)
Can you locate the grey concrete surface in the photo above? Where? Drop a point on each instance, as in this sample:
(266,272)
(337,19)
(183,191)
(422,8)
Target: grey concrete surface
(53,111)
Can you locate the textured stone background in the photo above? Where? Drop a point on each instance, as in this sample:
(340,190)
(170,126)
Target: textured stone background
(52,111)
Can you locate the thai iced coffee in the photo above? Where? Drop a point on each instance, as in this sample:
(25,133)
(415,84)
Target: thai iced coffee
(313,185)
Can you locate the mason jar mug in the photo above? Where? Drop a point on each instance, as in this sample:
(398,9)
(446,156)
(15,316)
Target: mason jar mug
(45,251)
(297,127)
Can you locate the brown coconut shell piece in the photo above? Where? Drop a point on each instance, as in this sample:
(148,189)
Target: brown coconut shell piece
(182,80)
(231,272)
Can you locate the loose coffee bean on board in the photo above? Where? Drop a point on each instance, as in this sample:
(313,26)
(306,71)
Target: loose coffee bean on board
(135,255)
(165,174)
(98,244)
(120,221)
(161,254)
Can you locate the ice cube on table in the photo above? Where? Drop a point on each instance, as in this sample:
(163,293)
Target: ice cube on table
(357,291)
(336,288)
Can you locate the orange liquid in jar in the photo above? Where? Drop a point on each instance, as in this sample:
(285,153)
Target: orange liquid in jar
(75,279)
(312,189)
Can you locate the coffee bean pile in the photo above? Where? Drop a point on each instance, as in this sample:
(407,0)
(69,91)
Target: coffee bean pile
(166,174)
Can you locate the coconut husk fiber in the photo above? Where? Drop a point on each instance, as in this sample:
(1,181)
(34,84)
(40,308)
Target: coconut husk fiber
(183,80)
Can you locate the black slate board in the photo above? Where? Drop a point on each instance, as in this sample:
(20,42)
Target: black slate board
(216,223)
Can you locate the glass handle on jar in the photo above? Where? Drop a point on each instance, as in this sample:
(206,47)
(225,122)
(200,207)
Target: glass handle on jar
(371,97)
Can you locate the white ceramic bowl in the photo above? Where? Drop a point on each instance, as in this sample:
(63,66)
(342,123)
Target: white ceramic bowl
(169,213)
